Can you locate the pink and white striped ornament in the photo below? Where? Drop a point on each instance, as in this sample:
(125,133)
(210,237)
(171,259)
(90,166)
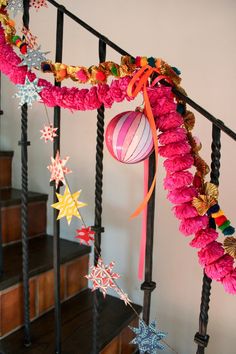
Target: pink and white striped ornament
(129,137)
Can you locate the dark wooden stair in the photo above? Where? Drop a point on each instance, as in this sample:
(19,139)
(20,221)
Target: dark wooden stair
(10,214)
(5,168)
(77,329)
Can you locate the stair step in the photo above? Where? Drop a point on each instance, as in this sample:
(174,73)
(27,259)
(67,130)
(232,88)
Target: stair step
(10,213)
(74,261)
(5,168)
(77,328)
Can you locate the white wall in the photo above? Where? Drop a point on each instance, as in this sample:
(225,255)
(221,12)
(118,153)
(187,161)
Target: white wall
(199,38)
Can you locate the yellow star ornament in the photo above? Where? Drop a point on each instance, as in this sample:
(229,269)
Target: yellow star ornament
(68,205)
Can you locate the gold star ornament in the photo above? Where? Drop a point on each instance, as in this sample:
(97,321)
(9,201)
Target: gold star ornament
(68,205)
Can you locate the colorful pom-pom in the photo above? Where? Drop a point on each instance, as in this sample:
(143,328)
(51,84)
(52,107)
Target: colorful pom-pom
(230,230)
(220,220)
(152,62)
(176,70)
(81,75)
(225,225)
(216,215)
(143,61)
(23,48)
(15,38)
(46,68)
(114,70)
(213,209)
(138,61)
(100,76)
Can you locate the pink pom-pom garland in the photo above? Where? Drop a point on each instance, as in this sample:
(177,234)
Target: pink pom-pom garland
(175,145)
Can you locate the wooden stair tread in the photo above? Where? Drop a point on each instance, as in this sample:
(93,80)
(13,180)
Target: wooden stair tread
(76,327)
(6,153)
(12,196)
(40,258)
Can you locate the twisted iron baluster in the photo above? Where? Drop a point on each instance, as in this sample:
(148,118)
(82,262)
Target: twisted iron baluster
(201,337)
(24,204)
(24,221)
(148,285)
(56,223)
(98,210)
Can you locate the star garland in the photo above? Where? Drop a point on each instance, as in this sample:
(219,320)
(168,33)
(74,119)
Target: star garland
(28,92)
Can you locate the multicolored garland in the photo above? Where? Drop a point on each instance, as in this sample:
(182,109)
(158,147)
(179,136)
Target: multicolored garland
(195,201)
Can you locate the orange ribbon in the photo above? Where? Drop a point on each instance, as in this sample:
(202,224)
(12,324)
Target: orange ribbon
(139,83)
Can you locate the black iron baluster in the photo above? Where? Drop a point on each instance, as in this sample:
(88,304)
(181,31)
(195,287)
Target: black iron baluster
(24,203)
(148,285)
(98,209)
(56,223)
(202,338)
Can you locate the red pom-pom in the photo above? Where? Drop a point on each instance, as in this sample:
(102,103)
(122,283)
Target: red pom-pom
(138,61)
(220,220)
(100,76)
(23,48)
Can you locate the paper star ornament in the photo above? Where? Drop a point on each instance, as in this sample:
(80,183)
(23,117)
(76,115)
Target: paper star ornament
(33,58)
(15,6)
(148,338)
(85,234)
(48,133)
(102,276)
(37,4)
(58,169)
(29,92)
(68,205)
(29,38)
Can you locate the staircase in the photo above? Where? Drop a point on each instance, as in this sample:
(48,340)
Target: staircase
(77,299)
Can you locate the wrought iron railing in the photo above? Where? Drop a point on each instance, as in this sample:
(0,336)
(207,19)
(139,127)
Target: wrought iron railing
(201,338)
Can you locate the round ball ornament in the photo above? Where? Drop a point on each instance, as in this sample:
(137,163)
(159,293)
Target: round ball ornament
(129,137)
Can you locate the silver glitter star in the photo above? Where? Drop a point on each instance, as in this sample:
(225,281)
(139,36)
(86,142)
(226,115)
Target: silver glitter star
(29,92)
(33,58)
(148,338)
(15,6)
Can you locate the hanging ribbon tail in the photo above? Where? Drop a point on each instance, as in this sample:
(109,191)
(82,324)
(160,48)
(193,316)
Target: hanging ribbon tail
(138,83)
(142,251)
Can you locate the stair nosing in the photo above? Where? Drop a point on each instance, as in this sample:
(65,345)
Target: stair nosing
(32,197)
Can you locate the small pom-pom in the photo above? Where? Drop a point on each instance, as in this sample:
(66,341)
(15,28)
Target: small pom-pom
(191,225)
(225,225)
(81,75)
(204,237)
(182,195)
(185,211)
(180,108)
(15,38)
(100,76)
(220,220)
(229,282)
(114,70)
(143,61)
(138,61)
(178,179)
(197,181)
(23,48)
(230,230)
(176,70)
(210,253)
(152,62)
(18,43)
(46,68)
(220,268)
(213,209)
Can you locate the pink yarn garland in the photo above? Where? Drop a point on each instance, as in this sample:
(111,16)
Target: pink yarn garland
(178,181)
